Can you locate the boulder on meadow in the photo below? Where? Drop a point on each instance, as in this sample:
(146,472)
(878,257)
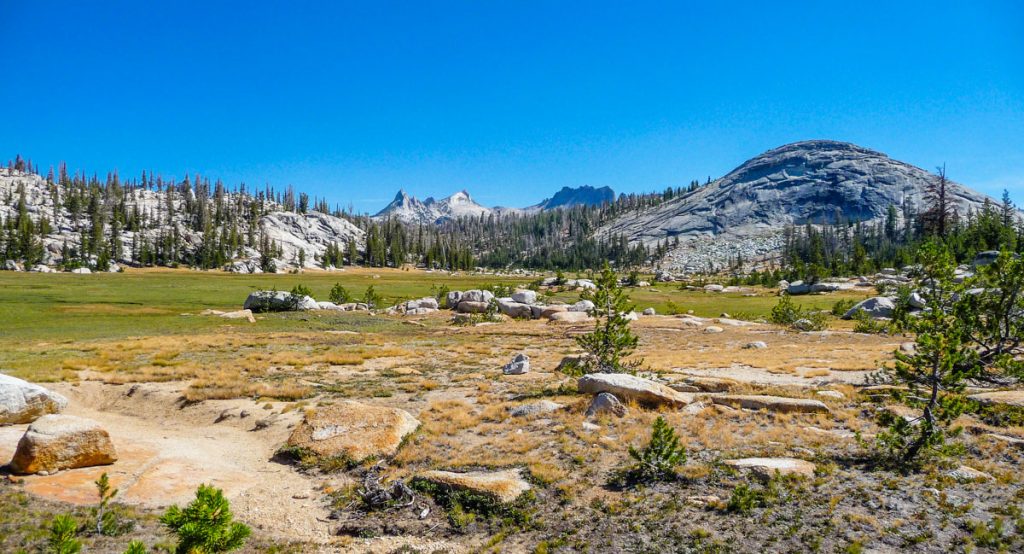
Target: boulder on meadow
(766,468)
(504,487)
(649,311)
(353,430)
(549,311)
(525,296)
(472,307)
(514,309)
(713,287)
(278,301)
(756,345)
(633,388)
(876,307)
(238,314)
(585,306)
(570,317)
(780,404)
(519,365)
(484,296)
(535,408)
(24,402)
(56,442)
(452,299)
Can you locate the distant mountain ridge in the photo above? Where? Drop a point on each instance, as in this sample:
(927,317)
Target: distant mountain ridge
(411,210)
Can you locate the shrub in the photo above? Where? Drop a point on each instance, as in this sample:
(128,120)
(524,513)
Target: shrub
(842,306)
(62,538)
(205,524)
(136,547)
(301,290)
(339,295)
(371,298)
(864,323)
(659,459)
(788,313)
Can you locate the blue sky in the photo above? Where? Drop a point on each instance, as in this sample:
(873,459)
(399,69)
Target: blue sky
(510,100)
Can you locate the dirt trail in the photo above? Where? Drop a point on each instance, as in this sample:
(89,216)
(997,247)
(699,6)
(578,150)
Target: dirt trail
(166,450)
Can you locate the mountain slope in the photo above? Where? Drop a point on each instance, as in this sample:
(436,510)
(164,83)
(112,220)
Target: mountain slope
(808,181)
(165,213)
(568,197)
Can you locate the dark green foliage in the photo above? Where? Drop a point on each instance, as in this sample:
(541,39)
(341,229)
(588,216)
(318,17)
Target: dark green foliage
(339,295)
(464,507)
(612,340)
(934,375)
(372,299)
(842,306)
(788,313)
(205,525)
(62,538)
(659,459)
(301,290)
(136,547)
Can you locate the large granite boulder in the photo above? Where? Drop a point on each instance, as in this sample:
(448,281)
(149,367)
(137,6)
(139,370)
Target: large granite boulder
(24,402)
(56,442)
(278,301)
(630,387)
(353,430)
(876,307)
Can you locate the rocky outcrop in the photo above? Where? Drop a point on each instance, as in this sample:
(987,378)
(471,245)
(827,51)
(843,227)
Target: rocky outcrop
(353,430)
(633,388)
(56,442)
(24,402)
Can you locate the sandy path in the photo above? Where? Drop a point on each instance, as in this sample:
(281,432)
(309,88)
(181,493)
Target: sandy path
(165,452)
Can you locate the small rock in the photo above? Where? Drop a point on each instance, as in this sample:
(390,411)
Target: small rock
(606,403)
(518,366)
(534,408)
(756,345)
(713,329)
(967,474)
(649,311)
(833,394)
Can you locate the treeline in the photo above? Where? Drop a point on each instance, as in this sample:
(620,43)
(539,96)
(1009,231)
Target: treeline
(844,247)
(152,221)
(555,239)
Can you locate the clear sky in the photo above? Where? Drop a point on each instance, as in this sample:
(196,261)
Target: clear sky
(510,100)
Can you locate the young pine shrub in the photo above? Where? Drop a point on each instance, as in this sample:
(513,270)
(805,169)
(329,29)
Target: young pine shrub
(612,340)
(206,525)
(339,295)
(63,536)
(659,459)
